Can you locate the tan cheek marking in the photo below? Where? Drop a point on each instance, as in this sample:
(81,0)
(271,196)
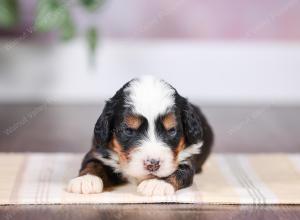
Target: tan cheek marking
(115,145)
(124,156)
(133,121)
(179,148)
(169,121)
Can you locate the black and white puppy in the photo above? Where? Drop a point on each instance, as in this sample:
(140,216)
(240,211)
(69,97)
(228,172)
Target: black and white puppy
(148,134)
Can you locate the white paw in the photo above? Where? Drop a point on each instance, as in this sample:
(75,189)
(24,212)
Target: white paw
(86,184)
(155,187)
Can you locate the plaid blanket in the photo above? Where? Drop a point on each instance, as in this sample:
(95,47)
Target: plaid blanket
(41,178)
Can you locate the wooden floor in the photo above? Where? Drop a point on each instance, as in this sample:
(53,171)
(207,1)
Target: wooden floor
(145,212)
(68,128)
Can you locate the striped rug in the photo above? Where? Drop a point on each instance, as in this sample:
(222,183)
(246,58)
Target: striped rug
(37,178)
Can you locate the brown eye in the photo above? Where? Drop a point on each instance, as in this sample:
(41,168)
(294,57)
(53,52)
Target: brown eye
(172,132)
(129,131)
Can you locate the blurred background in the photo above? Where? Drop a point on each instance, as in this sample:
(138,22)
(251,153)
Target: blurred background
(60,59)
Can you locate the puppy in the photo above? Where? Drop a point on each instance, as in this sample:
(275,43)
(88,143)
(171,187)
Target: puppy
(147,134)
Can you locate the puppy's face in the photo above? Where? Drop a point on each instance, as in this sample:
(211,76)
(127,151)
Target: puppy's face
(146,130)
(148,146)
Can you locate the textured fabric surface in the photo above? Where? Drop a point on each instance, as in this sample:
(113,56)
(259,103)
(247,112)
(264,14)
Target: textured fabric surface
(36,178)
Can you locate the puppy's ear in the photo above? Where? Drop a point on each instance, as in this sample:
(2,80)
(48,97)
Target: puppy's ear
(192,123)
(103,127)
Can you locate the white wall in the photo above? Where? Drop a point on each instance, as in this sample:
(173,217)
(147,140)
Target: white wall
(210,72)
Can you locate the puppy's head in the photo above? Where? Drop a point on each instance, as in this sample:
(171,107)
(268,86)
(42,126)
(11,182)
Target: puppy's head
(146,129)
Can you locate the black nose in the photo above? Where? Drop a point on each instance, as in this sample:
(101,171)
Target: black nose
(151,165)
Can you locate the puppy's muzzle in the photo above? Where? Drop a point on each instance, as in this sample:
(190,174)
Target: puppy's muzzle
(151,165)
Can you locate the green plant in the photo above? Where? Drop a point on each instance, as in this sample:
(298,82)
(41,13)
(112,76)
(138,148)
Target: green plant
(52,15)
(8,13)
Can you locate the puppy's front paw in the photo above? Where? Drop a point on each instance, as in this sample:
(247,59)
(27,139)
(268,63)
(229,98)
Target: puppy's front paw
(86,184)
(155,187)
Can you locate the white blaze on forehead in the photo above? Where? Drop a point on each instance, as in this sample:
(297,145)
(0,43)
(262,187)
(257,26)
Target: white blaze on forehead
(150,96)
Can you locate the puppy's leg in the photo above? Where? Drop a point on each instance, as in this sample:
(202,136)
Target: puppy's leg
(90,180)
(93,177)
(181,178)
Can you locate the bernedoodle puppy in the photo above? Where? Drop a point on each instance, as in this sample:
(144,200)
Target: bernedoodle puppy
(147,134)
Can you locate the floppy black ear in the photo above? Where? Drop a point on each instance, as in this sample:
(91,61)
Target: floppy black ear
(192,123)
(103,127)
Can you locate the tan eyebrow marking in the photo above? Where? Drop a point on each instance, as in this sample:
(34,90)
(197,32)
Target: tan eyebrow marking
(133,121)
(169,121)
